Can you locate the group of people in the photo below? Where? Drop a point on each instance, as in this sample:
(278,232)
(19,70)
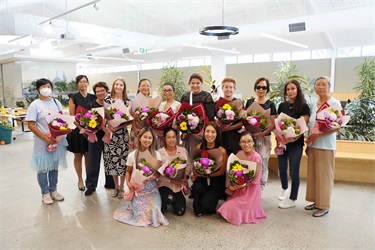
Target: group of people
(242,204)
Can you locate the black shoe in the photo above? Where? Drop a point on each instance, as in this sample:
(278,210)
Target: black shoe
(89,191)
(109,186)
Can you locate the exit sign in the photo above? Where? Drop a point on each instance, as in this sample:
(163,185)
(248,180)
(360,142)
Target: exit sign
(142,50)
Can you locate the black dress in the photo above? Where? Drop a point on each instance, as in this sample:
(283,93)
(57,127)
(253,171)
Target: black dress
(231,139)
(209,106)
(77,142)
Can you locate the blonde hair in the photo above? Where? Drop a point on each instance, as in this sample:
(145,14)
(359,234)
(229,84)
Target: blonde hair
(228,79)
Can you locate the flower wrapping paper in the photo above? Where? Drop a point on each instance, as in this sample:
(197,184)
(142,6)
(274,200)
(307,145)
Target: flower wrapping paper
(155,164)
(236,105)
(241,158)
(66,118)
(289,133)
(179,171)
(324,124)
(117,120)
(91,132)
(141,101)
(255,107)
(198,110)
(164,125)
(215,153)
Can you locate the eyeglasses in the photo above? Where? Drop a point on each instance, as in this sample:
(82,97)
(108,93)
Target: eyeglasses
(246,142)
(261,87)
(167,90)
(83,82)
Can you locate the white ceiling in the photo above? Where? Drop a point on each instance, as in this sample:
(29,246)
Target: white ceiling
(169,24)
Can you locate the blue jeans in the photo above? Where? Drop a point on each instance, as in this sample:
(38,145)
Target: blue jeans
(293,153)
(48,181)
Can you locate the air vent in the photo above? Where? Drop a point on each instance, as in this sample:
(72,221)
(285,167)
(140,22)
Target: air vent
(125,51)
(297,27)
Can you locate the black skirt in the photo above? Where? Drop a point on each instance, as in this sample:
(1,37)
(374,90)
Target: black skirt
(77,142)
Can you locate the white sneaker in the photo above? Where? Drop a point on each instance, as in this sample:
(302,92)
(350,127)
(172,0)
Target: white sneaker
(56,196)
(287,203)
(283,194)
(46,198)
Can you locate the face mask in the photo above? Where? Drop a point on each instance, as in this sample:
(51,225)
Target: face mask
(46,92)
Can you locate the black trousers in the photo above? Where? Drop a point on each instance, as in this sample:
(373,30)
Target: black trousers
(177,200)
(95,156)
(207,197)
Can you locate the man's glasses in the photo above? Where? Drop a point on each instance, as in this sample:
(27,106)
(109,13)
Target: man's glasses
(261,87)
(167,90)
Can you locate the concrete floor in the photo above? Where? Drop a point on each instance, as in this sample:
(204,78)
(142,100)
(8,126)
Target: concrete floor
(82,222)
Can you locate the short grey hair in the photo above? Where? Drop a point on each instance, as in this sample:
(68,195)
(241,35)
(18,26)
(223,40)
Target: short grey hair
(325,78)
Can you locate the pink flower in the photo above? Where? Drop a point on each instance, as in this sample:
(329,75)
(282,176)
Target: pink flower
(230,114)
(145,110)
(205,161)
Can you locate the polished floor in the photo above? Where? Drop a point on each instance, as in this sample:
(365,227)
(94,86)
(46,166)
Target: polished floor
(82,222)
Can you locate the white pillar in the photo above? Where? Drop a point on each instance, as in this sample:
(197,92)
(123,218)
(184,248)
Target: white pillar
(218,71)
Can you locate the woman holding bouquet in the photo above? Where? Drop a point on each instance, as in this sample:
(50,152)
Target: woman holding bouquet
(194,97)
(45,163)
(78,143)
(207,190)
(263,138)
(295,106)
(229,132)
(96,148)
(144,87)
(116,151)
(244,205)
(145,207)
(321,147)
(171,188)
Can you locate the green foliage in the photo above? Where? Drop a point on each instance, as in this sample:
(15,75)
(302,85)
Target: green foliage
(362,110)
(6,124)
(208,79)
(173,75)
(366,73)
(285,72)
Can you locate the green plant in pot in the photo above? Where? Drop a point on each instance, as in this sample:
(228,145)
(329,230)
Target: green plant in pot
(176,77)
(362,109)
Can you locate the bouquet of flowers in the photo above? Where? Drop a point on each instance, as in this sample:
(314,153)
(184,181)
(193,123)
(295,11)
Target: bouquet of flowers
(170,168)
(191,119)
(288,127)
(142,108)
(91,121)
(147,166)
(59,125)
(227,112)
(240,172)
(330,117)
(119,113)
(206,162)
(161,120)
(255,118)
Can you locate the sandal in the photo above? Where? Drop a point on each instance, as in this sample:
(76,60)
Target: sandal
(121,194)
(310,207)
(115,193)
(81,188)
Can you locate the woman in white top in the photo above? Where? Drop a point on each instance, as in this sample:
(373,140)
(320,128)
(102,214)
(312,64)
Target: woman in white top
(168,94)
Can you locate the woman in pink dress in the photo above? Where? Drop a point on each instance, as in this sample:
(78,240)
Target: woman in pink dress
(244,205)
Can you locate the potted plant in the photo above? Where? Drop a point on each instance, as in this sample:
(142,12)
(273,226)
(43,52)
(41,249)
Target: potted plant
(362,109)
(6,128)
(208,79)
(173,75)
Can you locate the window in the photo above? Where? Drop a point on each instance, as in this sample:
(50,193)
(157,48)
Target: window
(262,57)
(182,63)
(320,54)
(197,62)
(245,59)
(301,55)
(231,60)
(349,52)
(368,50)
(283,56)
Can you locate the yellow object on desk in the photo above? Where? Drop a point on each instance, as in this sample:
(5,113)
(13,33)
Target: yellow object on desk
(3,112)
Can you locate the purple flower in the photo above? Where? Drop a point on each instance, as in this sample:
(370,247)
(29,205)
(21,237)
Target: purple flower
(238,173)
(145,110)
(78,116)
(205,161)
(87,115)
(146,169)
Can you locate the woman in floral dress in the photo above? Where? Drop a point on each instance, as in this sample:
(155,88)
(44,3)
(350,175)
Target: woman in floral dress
(116,152)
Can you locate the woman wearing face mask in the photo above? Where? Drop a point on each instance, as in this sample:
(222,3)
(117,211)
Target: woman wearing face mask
(194,97)
(46,163)
(78,143)
(263,138)
(229,133)
(295,106)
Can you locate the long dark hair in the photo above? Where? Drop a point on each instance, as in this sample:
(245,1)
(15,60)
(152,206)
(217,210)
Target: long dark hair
(300,98)
(218,141)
